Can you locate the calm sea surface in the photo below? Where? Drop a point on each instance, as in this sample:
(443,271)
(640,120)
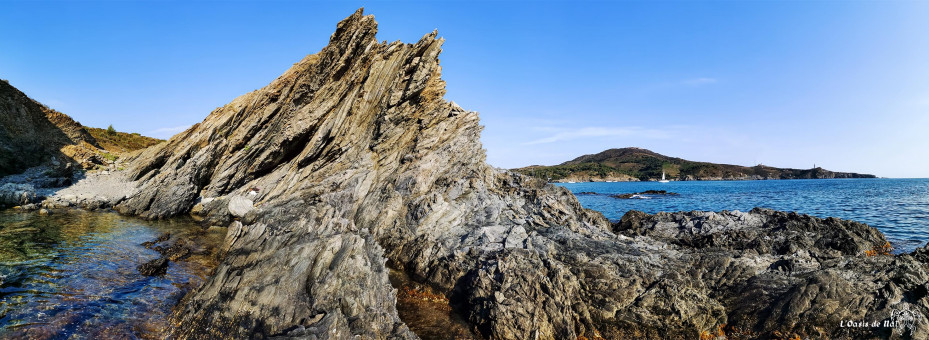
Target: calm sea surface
(897,207)
(72,275)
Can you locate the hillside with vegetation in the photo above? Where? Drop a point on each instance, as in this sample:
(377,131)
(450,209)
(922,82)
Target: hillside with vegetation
(120,142)
(635,164)
(32,134)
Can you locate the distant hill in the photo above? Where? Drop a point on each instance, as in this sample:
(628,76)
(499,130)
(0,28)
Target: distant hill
(635,164)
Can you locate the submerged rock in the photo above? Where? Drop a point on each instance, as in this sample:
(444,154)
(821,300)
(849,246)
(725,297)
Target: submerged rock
(172,248)
(161,238)
(154,267)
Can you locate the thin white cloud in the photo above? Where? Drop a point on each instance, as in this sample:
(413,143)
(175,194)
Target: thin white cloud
(699,81)
(592,132)
(167,132)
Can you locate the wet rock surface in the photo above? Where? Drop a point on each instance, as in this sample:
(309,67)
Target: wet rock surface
(428,313)
(154,267)
(172,248)
(362,165)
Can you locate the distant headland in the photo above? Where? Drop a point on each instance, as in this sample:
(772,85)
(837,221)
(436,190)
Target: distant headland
(637,164)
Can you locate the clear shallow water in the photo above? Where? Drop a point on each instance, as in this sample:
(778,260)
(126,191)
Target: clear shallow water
(897,207)
(73,275)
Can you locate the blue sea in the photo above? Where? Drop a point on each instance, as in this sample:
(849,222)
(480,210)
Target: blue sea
(897,207)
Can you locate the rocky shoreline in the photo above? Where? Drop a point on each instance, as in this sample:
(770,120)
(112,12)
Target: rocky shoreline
(38,188)
(351,164)
(747,275)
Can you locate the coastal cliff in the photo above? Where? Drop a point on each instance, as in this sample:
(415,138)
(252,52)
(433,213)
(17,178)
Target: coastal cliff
(351,164)
(32,134)
(43,150)
(636,164)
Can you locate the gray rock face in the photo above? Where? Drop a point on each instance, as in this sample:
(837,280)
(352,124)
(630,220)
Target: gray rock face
(363,165)
(96,190)
(239,206)
(767,271)
(12,194)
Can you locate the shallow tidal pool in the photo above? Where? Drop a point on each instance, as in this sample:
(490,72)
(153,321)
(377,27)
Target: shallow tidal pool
(72,274)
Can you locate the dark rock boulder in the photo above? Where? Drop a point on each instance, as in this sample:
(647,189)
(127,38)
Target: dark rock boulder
(154,267)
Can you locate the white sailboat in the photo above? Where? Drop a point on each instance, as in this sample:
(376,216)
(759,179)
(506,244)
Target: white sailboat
(662,178)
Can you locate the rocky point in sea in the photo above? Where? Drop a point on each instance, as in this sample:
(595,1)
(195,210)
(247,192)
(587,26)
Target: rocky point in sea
(352,162)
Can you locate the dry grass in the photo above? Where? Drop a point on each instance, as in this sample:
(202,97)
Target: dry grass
(121,142)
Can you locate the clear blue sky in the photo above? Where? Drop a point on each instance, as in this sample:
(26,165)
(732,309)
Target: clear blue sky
(844,85)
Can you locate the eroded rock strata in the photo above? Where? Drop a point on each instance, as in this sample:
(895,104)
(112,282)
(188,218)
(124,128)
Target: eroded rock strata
(352,161)
(31,134)
(41,151)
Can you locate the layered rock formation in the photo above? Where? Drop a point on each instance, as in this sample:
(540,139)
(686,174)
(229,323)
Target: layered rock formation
(39,149)
(774,274)
(352,161)
(31,134)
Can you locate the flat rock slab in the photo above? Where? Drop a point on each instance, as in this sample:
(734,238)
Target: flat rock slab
(239,206)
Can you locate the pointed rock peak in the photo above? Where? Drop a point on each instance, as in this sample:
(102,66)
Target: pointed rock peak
(355,17)
(431,36)
(353,25)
